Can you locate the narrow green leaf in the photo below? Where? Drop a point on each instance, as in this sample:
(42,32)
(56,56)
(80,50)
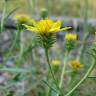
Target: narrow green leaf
(19,70)
(50,86)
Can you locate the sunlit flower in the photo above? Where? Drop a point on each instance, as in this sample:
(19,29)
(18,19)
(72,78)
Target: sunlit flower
(70,37)
(45,26)
(55,62)
(21,18)
(75,65)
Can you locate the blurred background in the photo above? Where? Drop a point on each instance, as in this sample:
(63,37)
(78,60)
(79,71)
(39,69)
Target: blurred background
(70,8)
(79,14)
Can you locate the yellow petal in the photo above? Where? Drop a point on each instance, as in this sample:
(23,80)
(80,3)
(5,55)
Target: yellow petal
(65,28)
(45,25)
(41,26)
(54,30)
(49,24)
(30,28)
(57,24)
(33,22)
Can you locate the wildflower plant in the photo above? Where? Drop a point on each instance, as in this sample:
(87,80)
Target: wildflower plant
(45,31)
(76,68)
(70,41)
(92,52)
(55,62)
(21,18)
(75,65)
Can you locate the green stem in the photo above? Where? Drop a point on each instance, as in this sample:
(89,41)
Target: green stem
(30,5)
(48,88)
(3,17)
(48,91)
(10,93)
(83,79)
(63,71)
(73,81)
(82,48)
(86,35)
(32,56)
(21,45)
(50,68)
(14,43)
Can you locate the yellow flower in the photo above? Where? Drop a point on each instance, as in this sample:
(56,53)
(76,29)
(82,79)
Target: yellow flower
(75,65)
(21,18)
(55,62)
(71,37)
(45,26)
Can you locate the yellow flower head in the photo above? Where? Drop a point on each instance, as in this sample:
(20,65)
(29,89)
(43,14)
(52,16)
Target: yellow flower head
(55,62)
(21,18)
(75,65)
(45,26)
(71,37)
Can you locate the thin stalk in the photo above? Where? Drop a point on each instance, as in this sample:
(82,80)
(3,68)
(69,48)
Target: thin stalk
(81,50)
(83,79)
(14,43)
(86,35)
(49,87)
(63,71)
(3,17)
(48,91)
(31,5)
(21,45)
(32,56)
(73,81)
(50,68)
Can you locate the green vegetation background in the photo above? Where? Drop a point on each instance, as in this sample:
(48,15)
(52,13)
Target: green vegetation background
(71,8)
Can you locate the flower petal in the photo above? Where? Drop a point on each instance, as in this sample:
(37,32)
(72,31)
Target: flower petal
(57,24)
(30,28)
(65,28)
(33,22)
(54,30)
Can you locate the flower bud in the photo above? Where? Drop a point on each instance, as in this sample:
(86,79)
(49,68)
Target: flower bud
(44,13)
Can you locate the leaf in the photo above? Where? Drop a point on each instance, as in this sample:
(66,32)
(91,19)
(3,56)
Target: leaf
(92,51)
(19,70)
(10,13)
(50,86)
(93,77)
